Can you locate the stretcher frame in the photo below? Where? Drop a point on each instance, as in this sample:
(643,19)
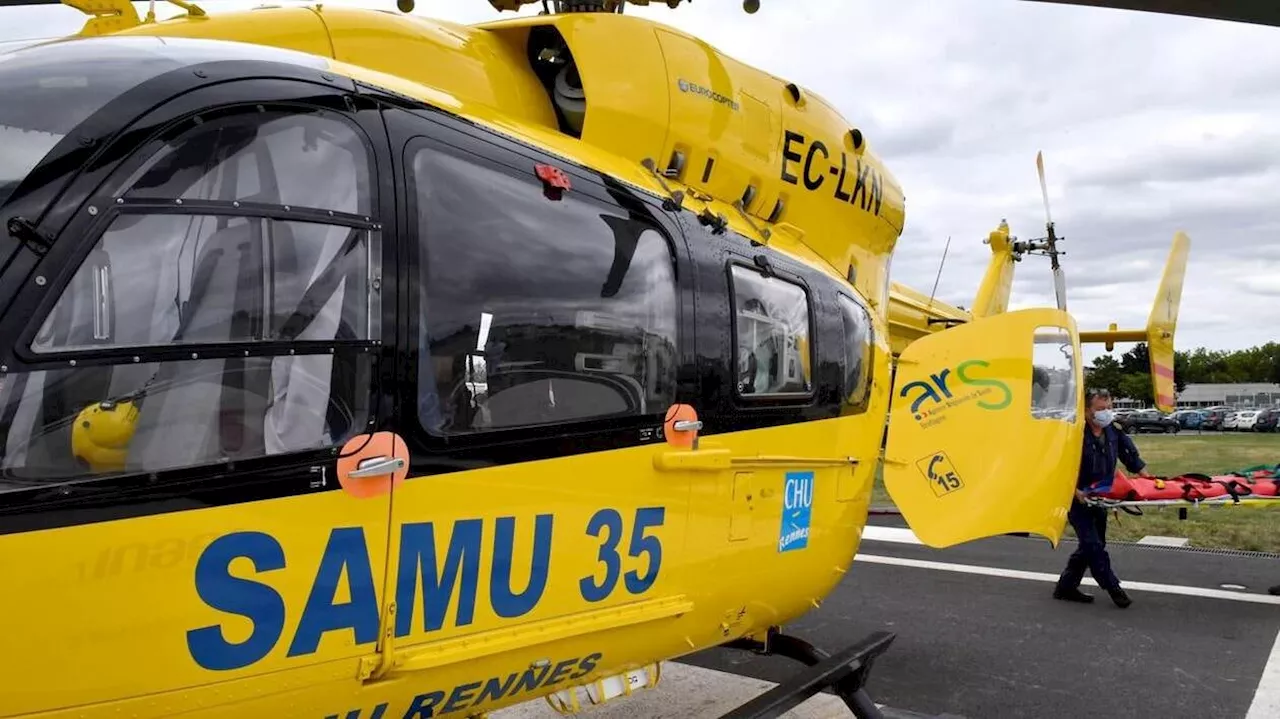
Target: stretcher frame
(1182,504)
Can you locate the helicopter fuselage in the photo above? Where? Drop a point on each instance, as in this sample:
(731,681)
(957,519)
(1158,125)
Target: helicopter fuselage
(544,531)
(378,367)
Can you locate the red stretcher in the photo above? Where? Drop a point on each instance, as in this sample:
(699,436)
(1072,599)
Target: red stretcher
(1253,484)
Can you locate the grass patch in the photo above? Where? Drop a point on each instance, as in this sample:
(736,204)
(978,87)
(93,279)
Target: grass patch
(1220,527)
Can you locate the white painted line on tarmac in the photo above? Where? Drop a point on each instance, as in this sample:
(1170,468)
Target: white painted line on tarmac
(1266,698)
(1047,577)
(687,692)
(1159,541)
(898,535)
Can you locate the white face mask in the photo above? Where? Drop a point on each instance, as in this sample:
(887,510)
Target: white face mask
(1104,417)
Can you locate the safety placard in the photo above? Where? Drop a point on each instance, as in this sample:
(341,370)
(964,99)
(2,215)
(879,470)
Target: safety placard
(942,475)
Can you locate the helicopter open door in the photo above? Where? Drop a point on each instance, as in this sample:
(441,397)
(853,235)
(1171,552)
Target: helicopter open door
(985,428)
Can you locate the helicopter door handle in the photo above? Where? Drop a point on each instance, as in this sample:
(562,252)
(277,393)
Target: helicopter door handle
(377,467)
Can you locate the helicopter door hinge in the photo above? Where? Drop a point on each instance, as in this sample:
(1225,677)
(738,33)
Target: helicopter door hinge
(376,666)
(716,221)
(24,231)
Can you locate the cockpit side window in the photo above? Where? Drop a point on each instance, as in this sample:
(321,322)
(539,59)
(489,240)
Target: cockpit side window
(772,330)
(857,351)
(274,242)
(535,312)
(278,158)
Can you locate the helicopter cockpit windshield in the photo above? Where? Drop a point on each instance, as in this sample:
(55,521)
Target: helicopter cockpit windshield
(50,89)
(226,269)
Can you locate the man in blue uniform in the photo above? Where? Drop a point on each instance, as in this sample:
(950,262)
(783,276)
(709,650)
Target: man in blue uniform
(1104,445)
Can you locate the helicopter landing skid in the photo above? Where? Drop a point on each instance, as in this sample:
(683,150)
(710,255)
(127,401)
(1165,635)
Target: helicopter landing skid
(845,672)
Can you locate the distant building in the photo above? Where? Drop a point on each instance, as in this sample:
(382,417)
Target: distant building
(1245,394)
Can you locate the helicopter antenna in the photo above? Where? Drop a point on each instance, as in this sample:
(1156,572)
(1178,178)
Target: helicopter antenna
(940,266)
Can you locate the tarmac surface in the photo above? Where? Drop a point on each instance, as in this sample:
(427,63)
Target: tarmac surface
(979,635)
(996,646)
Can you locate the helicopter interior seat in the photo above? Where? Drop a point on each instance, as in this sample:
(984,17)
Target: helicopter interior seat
(204,409)
(250,407)
(314,396)
(530,383)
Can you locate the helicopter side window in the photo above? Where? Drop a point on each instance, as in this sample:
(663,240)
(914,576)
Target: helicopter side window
(1053,379)
(218,283)
(157,280)
(857,350)
(536,312)
(772,331)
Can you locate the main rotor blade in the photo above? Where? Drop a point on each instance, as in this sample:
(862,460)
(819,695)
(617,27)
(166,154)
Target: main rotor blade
(1060,288)
(1044,191)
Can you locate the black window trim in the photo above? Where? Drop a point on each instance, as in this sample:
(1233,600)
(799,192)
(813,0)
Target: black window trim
(775,399)
(500,152)
(868,368)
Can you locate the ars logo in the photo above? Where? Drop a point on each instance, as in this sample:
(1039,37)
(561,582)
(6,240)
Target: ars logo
(797,511)
(941,388)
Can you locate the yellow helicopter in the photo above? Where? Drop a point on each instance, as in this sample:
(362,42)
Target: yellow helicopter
(356,364)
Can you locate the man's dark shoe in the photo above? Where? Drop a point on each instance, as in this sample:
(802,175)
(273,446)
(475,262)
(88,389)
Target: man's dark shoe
(1118,596)
(1072,595)
(1275,589)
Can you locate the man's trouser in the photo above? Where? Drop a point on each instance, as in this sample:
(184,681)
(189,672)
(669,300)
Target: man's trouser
(1090,525)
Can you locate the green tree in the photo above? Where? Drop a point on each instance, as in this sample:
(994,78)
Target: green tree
(1179,371)
(1130,375)
(1106,374)
(1136,360)
(1137,387)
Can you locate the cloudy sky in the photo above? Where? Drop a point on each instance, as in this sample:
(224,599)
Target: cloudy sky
(1149,124)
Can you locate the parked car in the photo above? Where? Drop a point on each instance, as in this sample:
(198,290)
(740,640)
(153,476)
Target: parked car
(1246,419)
(1148,420)
(1267,421)
(1189,418)
(1213,417)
